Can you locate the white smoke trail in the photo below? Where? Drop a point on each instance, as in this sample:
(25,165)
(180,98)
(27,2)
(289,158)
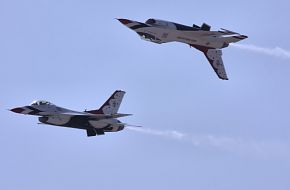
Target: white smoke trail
(260,149)
(277,51)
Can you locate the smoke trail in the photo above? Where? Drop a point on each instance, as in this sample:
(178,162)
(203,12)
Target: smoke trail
(277,51)
(244,147)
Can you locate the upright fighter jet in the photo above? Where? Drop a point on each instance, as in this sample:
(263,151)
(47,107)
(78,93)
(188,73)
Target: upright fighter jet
(95,122)
(199,37)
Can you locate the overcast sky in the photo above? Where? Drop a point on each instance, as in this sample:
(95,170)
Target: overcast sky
(198,132)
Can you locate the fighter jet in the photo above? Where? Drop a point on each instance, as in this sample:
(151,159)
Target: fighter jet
(199,37)
(95,122)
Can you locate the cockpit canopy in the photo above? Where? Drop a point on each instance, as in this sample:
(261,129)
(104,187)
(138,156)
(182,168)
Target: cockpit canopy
(172,25)
(40,102)
(151,21)
(161,23)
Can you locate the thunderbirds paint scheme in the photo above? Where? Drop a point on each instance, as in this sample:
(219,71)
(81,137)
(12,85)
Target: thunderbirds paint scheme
(199,37)
(95,122)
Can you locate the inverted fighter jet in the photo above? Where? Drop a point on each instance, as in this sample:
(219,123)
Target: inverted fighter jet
(95,122)
(199,37)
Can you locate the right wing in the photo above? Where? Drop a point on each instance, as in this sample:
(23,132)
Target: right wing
(94,116)
(219,35)
(214,57)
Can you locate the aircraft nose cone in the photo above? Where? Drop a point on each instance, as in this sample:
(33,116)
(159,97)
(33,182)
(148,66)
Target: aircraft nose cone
(124,21)
(17,110)
(244,36)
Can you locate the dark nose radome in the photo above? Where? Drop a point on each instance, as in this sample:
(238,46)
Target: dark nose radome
(124,21)
(17,110)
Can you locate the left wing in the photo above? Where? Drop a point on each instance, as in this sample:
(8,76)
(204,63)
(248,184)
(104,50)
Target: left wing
(214,57)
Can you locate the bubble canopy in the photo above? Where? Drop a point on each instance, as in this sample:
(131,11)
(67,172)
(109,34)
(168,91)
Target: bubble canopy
(40,102)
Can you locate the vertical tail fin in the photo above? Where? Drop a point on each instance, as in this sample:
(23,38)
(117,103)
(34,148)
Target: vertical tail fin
(111,106)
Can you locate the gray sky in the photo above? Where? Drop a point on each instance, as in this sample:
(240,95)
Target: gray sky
(198,132)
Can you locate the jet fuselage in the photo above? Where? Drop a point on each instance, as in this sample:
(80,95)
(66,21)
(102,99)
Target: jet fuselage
(94,121)
(201,38)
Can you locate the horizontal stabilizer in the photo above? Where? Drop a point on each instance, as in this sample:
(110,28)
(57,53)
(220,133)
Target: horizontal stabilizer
(121,115)
(129,125)
(228,32)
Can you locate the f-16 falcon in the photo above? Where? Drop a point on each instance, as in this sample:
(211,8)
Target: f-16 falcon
(199,37)
(95,122)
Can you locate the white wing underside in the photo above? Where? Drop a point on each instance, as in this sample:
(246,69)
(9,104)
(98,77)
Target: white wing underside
(214,57)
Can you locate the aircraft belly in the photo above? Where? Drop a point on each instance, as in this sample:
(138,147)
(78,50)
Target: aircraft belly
(98,124)
(165,35)
(108,125)
(57,120)
(198,41)
(169,35)
(113,128)
(103,123)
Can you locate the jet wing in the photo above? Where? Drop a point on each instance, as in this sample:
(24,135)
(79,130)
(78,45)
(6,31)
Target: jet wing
(94,116)
(221,33)
(214,57)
